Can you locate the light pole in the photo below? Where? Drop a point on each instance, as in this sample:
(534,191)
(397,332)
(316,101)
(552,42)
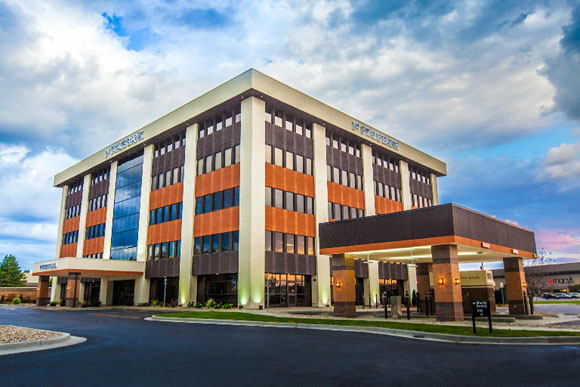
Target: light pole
(164,289)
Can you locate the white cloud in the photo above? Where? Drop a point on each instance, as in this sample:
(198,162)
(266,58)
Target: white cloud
(562,163)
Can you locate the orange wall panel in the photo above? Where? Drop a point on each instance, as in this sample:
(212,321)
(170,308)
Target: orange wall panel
(164,232)
(387,206)
(69,250)
(93,246)
(96,217)
(290,222)
(71,224)
(217,222)
(165,196)
(345,195)
(287,180)
(219,180)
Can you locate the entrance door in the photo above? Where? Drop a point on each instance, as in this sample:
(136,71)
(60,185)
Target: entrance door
(123,292)
(92,292)
(291,290)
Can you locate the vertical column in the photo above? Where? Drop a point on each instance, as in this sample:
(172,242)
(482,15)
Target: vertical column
(373,283)
(252,204)
(514,281)
(405,185)
(344,285)
(54,289)
(187,282)
(72,289)
(368,184)
(61,220)
(84,210)
(320,281)
(448,298)
(104,291)
(423,284)
(42,295)
(435,189)
(142,283)
(411,283)
(110,208)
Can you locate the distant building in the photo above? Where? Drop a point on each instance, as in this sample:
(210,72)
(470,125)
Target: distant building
(546,278)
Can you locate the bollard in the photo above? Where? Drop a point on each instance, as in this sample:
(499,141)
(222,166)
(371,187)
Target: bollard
(385,303)
(408,309)
(532,304)
(525,303)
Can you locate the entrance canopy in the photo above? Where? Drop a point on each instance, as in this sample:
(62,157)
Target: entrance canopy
(409,235)
(89,267)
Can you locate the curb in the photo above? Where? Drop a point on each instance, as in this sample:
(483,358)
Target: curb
(542,340)
(40,345)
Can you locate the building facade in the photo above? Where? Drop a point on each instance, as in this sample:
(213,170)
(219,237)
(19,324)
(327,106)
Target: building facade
(222,199)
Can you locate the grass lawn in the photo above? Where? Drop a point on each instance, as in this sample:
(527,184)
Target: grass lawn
(433,328)
(575,302)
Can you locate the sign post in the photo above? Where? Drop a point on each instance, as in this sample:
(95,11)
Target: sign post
(164,289)
(480,309)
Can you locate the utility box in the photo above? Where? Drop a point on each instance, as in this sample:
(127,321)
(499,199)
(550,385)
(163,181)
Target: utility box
(477,285)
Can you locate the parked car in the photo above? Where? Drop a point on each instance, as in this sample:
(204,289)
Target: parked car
(547,295)
(561,295)
(574,295)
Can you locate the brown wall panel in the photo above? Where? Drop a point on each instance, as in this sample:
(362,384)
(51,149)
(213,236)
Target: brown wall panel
(219,180)
(93,246)
(211,264)
(164,232)
(387,206)
(69,250)
(345,195)
(96,217)
(168,267)
(290,222)
(165,196)
(217,222)
(288,180)
(71,224)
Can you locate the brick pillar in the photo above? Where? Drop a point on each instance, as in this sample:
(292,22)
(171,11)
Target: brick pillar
(514,282)
(448,298)
(423,284)
(73,289)
(344,285)
(42,294)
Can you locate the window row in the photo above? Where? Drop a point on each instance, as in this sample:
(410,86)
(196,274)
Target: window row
(76,187)
(218,160)
(73,212)
(98,202)
(168,178)
(170,144)
(99,176)
(348,146)
(218,124)
(289,160)
(421,176)
(289,243)
(386,162)
(217,201)
(387,191)
(95,231)
(289,201)
(70,237)
(340,176)
(166,214)
(287,122)
(94,256)
(420,201)
(217,243)
(164,250)
(338,211)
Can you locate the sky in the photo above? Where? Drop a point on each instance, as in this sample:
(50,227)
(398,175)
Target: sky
(490,87)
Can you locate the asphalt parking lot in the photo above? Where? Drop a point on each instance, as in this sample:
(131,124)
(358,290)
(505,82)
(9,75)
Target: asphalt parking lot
(123,349)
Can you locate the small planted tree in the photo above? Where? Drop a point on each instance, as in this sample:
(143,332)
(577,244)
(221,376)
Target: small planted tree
(10,273)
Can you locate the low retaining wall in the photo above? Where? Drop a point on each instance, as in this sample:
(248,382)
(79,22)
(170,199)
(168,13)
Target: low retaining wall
(28,294)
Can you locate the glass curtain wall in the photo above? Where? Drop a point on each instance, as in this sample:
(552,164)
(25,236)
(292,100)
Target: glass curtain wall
(126,211)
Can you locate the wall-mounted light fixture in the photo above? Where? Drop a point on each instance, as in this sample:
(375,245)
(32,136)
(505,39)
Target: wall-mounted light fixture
(338,284)
(441,281)
(525,284)
(457,281)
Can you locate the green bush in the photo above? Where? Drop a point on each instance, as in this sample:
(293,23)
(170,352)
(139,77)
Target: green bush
(227,306)
(139,304)
(209,303)
(198,305)
(2,300)
(154,303)
(16,301)
(53,303)
(217,305)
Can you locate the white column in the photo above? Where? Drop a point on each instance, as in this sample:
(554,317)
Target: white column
(252,204)
(374,282)
(110,208)
(405,185)
(141,290)
(61,220)
(84,210)
(53,289)
(321,281)
(81,296)
(104,292)
(187,282)
(411,283)
(368,185)
(435,188)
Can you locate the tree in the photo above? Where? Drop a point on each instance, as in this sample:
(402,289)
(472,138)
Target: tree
(536,272)
(10,273)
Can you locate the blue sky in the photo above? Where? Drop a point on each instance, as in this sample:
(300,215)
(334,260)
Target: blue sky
(490,87)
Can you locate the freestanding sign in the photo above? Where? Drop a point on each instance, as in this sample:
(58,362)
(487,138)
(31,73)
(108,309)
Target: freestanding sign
(480,309)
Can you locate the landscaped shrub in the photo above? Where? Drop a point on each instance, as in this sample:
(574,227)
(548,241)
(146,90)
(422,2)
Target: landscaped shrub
(2,299)
(227,306)
(16,300)
(53,303)
(198,305)
(209,303)
(154,303)
(217,305)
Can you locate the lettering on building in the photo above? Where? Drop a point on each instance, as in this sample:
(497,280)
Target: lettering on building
(375,135)
(132,139)
(48,266)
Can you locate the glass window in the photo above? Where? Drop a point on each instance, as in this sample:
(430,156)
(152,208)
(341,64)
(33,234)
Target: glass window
(298,128)
(162,150)
(278,157)
(218,126)
(157,251)
(288,124)
(226,241)
(236,196)
(170,146)
(278,242)
(235,241)
(168,178)
(176,143)
(353,213)
(358,182)
(334,142)
(238,117)
(237,154)
(197,246)
(309,133)
(229,121)
(344,178)
(268,241)
(152,217)
(228,157)
(199,205)
(153,184)
(166,214)
(210,129)
(227,198)
(336,175)
(360,212)
(278,198)
(208,164)
(300,245)
(289,201)
(207,203)
(268,193)
(337,211)
(351,180)
(345,213)
(299,164)
(308,166)
(310,246)
(343,146)
(380,189)
(218,160)
(201,133)
(164,250)
(159,215)
(300,203)
(150,251)
(205,245)
(290,160)
(175,175)
(199,167)
(351,149)
(161,180)
(268,153)
(171,252)
(329,173)
(309,205)
(278,119)
(174,212)
(289,243)
(268,117)
(217,201)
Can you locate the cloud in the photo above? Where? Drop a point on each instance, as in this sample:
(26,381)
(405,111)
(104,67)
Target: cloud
(559,239)
(562,164)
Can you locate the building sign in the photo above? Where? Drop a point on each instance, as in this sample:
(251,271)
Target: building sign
(48,266)
(132,139)
(375,135)
(561,281)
